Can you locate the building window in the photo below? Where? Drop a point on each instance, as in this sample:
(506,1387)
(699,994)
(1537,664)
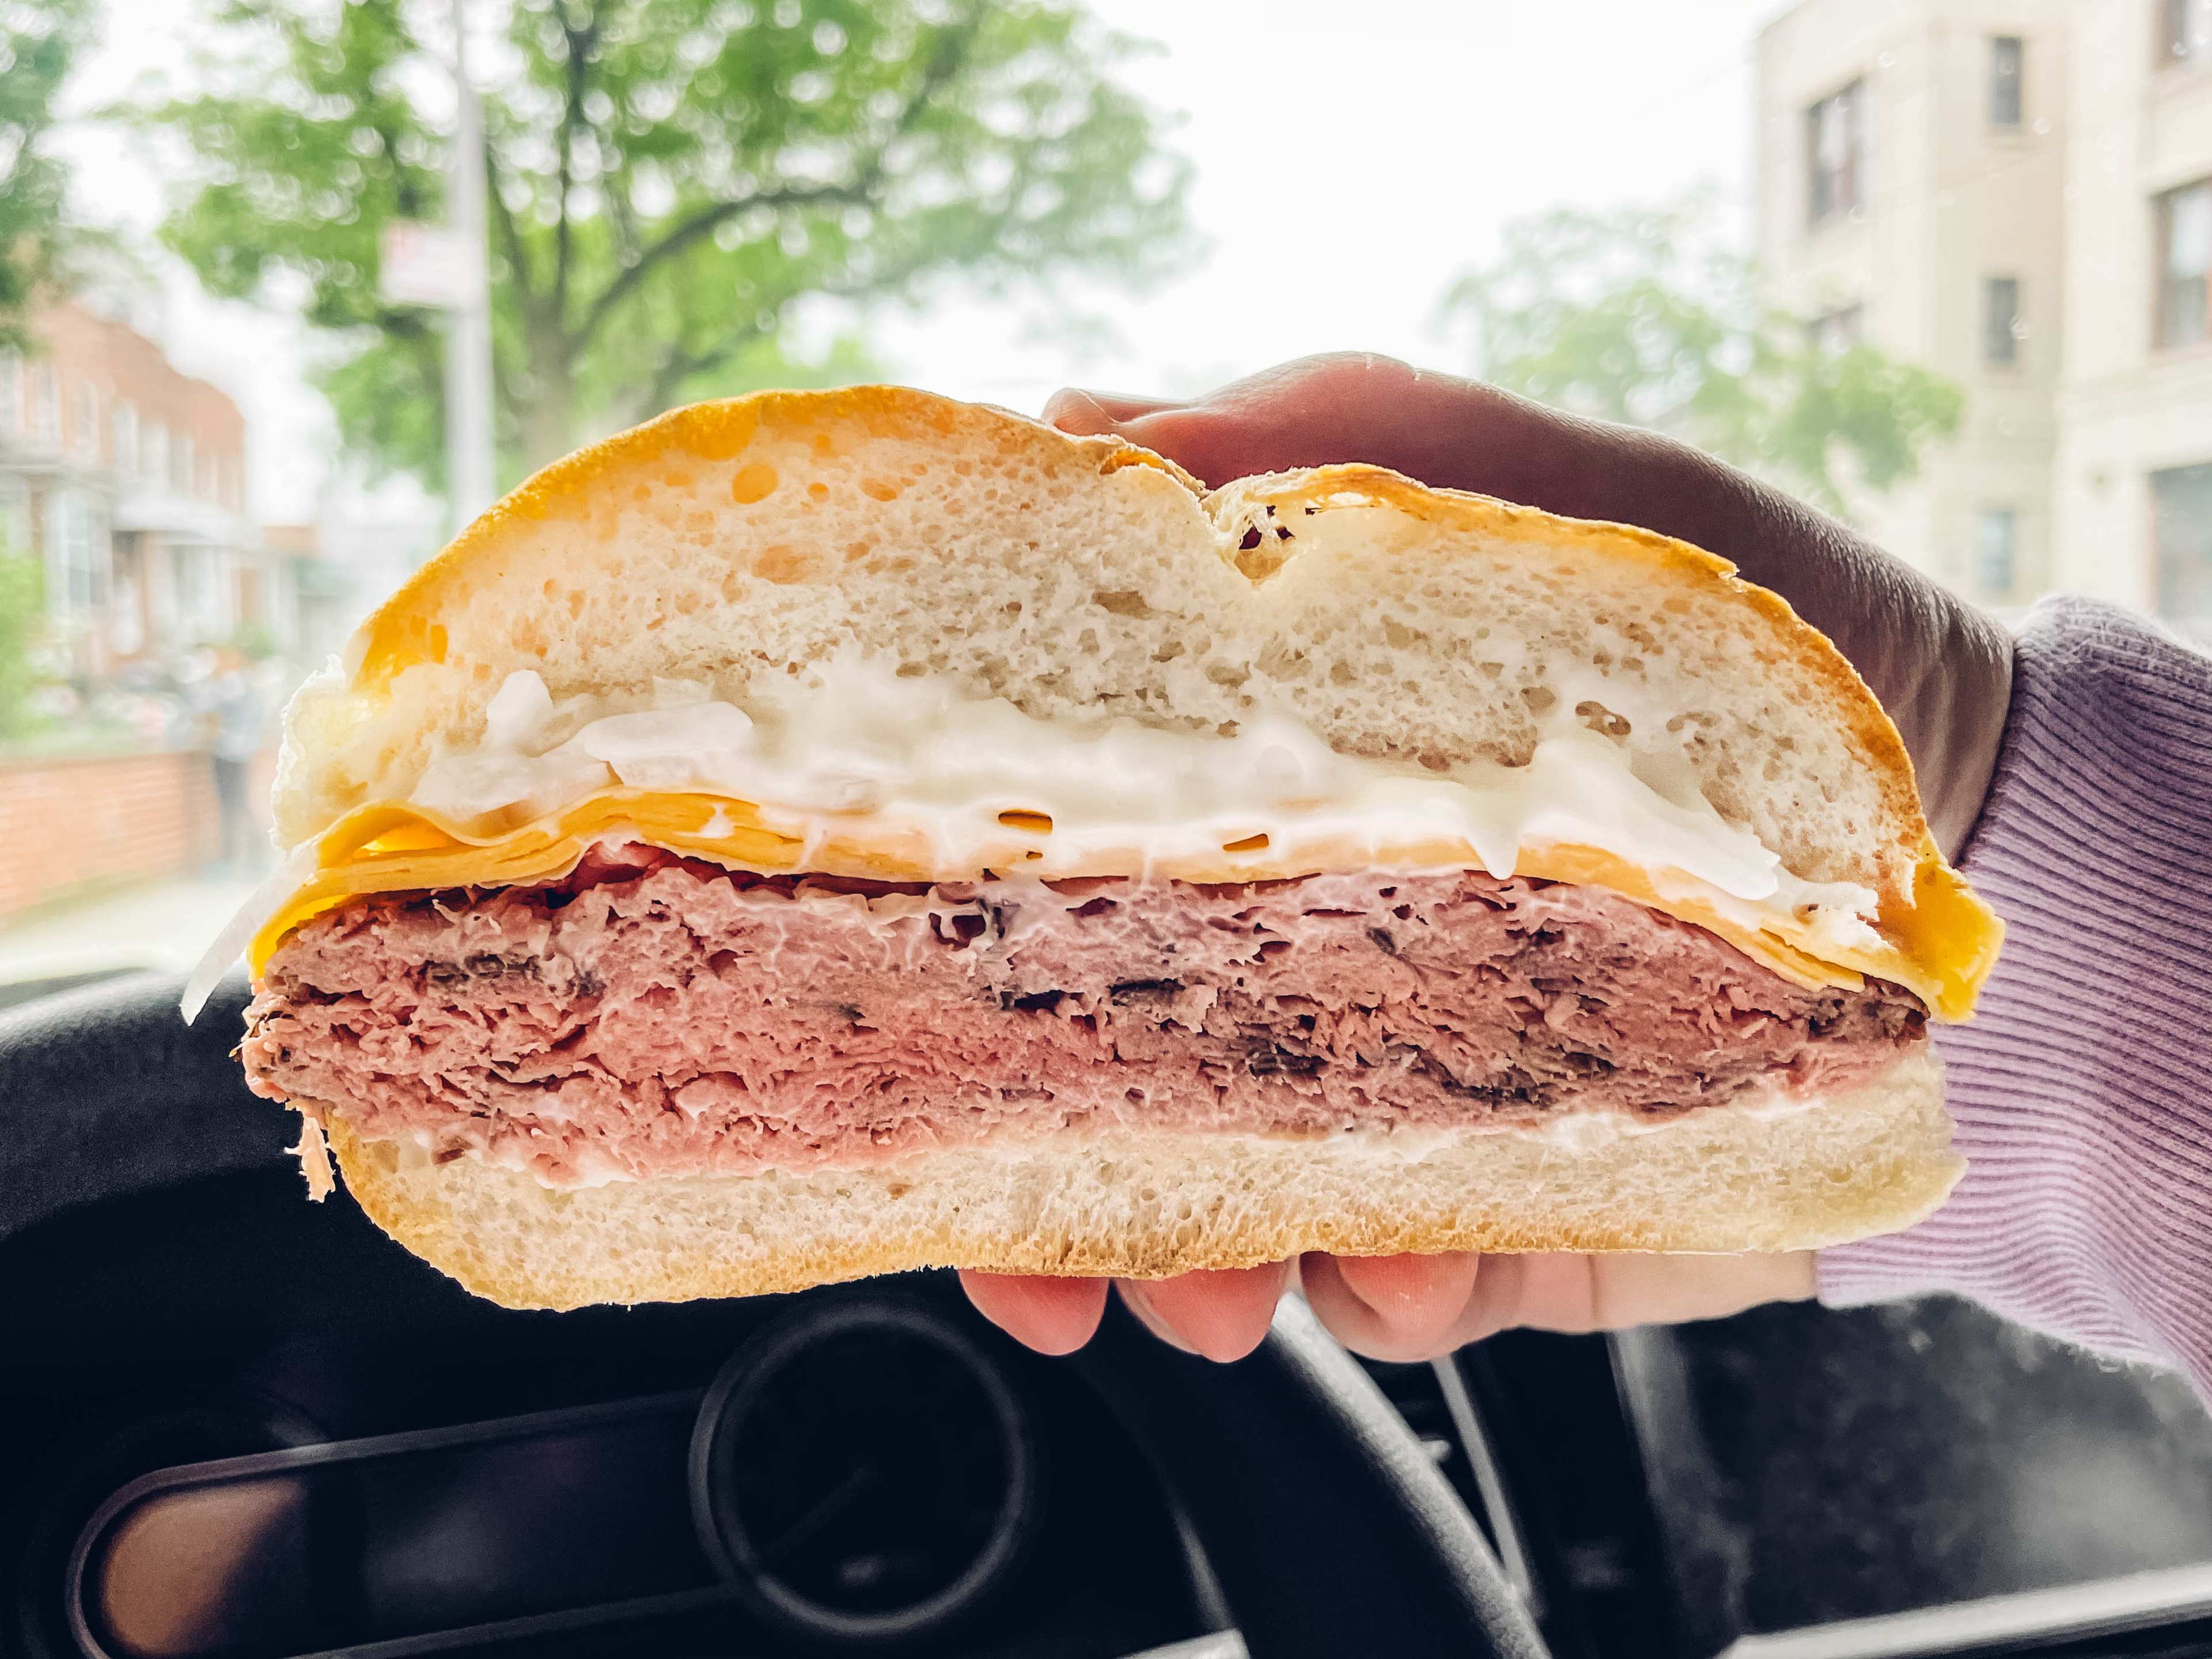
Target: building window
(2186,30)
(84,421)
(1835,149)
(1996,536)
(203,601)
(76,556)
(11,392)
(2181,542)
(2001,324)
(2185,264)
(14,518)
(1834,332)
(2008,58)
(123,441)
(180,462)
(45,405)
(153,458)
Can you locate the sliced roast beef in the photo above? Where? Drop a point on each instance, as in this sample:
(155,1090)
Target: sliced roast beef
(650,1015)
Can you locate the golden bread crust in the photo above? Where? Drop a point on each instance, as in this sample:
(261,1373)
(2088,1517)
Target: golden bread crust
(1146,1205)
(427,660)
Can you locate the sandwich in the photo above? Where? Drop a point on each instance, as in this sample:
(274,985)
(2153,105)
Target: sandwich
(819,835)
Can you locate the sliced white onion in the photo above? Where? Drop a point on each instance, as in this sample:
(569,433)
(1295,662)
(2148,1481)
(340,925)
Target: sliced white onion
(237,933)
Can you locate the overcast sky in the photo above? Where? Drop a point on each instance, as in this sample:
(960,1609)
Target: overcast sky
(1351,160)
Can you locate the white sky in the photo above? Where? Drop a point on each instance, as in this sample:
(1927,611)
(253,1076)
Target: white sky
(1351,160)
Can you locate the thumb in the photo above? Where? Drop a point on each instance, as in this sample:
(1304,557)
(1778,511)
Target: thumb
(1091,414)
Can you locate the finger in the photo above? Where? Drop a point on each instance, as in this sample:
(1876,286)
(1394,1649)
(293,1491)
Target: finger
(1399,1308)
(1307,413)
(1458,434)
(1497,1304)
(1264,422)
(1223,1314)
(1671,1290)
(1441,428)
(1450,432)
(1133,1298)
(1447,431)
(1575,1293)
(1053,1316)
(1072,409)
(1557,1291)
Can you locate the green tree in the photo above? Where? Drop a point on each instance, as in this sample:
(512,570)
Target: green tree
(669,179)
(22,614)
(1645,315)
(38,41)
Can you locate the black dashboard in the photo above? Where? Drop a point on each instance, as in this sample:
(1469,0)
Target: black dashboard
(235,1426)
(241,1426)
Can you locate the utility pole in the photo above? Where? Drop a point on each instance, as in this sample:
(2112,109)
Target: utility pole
(472,479)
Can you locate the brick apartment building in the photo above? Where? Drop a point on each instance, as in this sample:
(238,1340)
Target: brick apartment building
(127,478)
(2018,194)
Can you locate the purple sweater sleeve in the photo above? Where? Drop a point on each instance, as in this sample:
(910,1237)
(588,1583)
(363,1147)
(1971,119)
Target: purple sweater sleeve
(2080,1088)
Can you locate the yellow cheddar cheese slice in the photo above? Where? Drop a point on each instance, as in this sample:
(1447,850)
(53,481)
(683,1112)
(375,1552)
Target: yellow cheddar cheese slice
(1941,947)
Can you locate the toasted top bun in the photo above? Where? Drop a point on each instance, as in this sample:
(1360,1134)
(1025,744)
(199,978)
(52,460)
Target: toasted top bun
(1080,578)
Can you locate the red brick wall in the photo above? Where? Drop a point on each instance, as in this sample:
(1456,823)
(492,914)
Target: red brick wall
(79,826)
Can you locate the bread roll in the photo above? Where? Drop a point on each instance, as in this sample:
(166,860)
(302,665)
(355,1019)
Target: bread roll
(1337,674)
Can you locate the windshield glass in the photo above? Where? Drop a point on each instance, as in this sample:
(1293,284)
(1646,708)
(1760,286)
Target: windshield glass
(292,289)
(1833,250)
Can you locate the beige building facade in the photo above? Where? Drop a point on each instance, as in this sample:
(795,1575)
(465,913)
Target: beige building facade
(1911,183)
(2134,474)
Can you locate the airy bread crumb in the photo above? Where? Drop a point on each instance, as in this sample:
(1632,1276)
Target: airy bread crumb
(1147,1205)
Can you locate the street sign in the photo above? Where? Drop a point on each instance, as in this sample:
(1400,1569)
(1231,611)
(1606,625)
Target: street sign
(426,264)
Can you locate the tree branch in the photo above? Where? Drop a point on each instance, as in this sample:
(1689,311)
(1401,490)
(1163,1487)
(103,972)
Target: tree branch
(702,224)
(404,198)
(623,216)
(944,62)
(510,234)
(400,323)
(679,366)
(581,44)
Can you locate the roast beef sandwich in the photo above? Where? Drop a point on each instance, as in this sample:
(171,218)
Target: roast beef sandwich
(819,835)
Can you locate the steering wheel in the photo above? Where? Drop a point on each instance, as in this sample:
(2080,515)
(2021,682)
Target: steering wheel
(1329,1530)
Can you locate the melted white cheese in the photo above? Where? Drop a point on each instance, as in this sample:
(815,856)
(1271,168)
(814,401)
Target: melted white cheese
(852,748)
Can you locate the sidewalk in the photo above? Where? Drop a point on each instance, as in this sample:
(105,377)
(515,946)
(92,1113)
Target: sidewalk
(163,925)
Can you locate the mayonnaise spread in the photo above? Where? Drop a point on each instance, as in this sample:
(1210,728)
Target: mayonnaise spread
(850,745)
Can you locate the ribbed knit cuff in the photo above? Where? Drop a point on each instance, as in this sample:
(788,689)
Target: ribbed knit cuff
(2080,1088)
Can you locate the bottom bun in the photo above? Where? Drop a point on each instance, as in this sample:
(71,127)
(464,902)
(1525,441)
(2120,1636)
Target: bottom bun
(1144,1205)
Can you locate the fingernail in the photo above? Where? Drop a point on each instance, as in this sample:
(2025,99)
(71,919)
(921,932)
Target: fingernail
(1073,410)
(1414,1296)
(1133,1297)
(1223,1313)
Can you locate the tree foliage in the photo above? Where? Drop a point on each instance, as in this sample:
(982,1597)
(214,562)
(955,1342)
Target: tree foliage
(22,614)
(39,38)
(669,179)
(1645,315)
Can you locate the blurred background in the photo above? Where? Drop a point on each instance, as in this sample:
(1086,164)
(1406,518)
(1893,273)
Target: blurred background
(290,287)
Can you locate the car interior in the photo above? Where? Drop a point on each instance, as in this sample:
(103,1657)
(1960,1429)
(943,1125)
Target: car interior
(233,1423)
(327,277)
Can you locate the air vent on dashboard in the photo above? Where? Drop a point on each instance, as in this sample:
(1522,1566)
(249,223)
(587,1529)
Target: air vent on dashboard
(864,1471)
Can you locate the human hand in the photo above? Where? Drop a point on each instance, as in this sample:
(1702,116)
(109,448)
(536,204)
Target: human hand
(1941,668)
(1398,1306)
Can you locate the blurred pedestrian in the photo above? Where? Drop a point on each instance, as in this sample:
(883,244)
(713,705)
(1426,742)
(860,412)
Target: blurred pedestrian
(230,707)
